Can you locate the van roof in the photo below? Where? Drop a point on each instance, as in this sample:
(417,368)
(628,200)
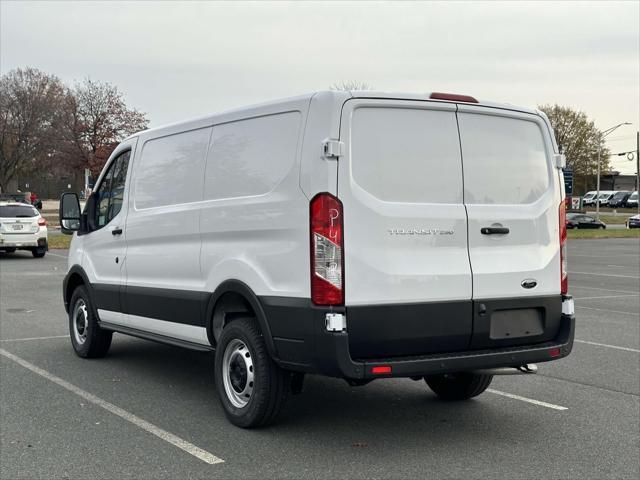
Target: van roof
(338,97)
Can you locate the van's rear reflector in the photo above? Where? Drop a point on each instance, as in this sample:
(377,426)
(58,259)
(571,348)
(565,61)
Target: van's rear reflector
(454,97)
(381,369)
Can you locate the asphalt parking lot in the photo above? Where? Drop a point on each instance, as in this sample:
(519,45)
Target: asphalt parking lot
(150,411)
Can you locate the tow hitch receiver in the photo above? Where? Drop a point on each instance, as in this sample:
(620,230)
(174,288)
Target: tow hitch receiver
(523,369)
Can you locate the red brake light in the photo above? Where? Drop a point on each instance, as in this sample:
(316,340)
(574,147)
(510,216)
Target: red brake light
(564,276)
(381,370)
(327,257)
(42,222)
(554,352)
(454,97)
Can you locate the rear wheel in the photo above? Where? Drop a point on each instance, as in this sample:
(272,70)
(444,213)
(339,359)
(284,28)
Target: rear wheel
(458,386)
(87,338)
(38,252)
(251,387)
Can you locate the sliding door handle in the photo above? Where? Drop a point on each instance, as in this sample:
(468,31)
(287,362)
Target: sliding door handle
(494,230)
(116,231)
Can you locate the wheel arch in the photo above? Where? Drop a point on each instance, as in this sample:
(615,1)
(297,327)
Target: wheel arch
(232,299)
(74,278)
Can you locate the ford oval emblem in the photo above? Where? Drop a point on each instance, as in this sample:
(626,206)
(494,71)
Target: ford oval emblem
(529,283)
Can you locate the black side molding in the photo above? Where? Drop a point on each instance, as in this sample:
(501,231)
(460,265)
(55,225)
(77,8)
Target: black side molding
(154,337)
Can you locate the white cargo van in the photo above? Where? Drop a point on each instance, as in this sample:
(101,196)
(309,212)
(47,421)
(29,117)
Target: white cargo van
(605,196)
(359,235)
(589,198)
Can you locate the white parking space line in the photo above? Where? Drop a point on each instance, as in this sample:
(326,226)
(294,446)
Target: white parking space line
(129,417)
(626,349)
(57,255)
(604,274)
(596,256)
(528,400)
(609,311)
(32,338)
(579,287)
(608,296)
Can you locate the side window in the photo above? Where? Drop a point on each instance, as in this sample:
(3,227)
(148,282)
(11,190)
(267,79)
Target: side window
(117,185)
(251,157)
(170,169)
(102,197)
(111,191)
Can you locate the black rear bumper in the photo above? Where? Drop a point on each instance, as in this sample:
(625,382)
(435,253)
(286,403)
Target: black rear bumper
(303,344)
(338,361)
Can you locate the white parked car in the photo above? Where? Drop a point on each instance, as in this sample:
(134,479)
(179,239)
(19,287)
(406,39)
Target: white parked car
(22,228)
(632,201)
(360,235)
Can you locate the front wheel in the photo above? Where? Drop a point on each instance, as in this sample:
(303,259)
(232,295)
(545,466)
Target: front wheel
(87,338)
(458,386)
(251,387)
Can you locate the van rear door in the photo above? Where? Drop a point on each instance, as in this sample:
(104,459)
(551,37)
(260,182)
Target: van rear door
(512,196)
(407,274)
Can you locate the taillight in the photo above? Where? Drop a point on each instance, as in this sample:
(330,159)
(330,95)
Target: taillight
(42,222)
(564,276)
(327,258)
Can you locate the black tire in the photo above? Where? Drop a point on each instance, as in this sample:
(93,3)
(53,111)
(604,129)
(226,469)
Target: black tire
(38,252)
(270,387)
(458,386)
(90,341)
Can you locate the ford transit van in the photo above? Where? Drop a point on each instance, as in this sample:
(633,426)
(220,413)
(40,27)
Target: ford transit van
(359,235)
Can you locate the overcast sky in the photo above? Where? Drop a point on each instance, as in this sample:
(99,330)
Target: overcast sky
(180,60)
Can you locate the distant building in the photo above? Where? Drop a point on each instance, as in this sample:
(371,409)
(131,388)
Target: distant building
(615,181)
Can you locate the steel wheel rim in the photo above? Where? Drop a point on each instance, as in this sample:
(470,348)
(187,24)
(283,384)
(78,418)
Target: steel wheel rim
(80,318)
(237,373)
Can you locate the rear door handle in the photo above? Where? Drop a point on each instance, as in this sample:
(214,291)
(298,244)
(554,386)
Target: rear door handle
(116,231)
(494,230)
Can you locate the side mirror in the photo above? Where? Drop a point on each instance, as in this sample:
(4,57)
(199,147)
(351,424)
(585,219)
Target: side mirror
(69,213)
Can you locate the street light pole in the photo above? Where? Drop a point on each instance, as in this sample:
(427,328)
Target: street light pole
(598,184)
(602,136)
(638,166)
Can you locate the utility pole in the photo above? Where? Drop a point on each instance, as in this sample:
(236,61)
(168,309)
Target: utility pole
(598,185)
(603,135)
(638,166)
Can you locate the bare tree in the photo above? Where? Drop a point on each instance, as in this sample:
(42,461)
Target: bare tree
(580,141)
(97,119)
(30,115)
(349,85)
